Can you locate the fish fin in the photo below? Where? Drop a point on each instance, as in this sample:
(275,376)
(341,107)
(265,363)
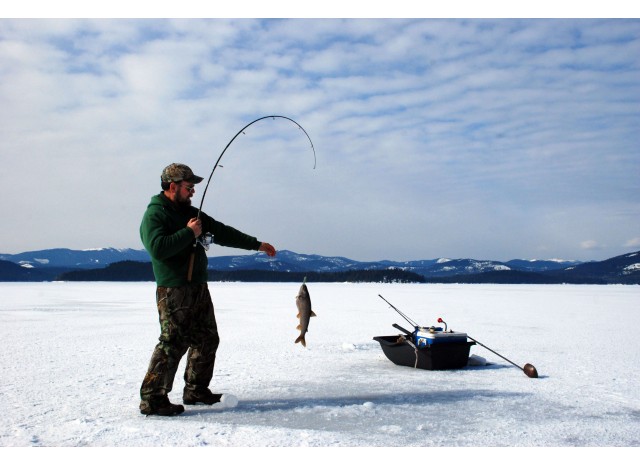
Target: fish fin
(298,327)
(298,315)
(312,314)
(301,340)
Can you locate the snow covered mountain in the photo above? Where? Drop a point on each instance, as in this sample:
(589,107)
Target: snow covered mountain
(294,262)
(49,264)
(67,258)
(624,269)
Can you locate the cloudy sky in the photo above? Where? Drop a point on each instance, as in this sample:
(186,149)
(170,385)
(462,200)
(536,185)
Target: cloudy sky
(476,138)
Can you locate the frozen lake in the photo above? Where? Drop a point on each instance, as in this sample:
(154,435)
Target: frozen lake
(74,355)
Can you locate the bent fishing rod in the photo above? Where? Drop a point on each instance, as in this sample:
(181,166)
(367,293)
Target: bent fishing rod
(217,163)
(241,131)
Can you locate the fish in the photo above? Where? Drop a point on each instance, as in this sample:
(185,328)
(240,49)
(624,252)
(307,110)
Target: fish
(303,302)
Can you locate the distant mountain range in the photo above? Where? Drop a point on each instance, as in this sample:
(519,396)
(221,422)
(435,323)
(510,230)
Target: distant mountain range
(111,264)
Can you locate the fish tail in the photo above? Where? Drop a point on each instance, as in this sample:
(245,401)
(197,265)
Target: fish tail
(301,340)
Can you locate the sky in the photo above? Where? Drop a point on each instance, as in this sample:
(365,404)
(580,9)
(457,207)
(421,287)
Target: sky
(458,138)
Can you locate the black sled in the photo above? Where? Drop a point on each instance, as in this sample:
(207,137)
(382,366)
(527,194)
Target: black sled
(427,348)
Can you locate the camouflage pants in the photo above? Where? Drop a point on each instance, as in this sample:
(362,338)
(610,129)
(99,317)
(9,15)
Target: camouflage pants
(187,322)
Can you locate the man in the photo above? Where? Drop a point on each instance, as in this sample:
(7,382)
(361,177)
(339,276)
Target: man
(169,230)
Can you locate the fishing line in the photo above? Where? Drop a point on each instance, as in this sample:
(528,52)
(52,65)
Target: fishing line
(241,131)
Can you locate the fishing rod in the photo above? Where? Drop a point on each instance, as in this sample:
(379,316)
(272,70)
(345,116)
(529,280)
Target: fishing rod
(217,163)
(409,320)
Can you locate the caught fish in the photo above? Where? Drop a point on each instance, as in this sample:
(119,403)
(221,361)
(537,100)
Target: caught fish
(303,302)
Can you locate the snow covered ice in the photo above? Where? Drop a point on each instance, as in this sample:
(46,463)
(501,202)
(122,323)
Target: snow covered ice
(74,355)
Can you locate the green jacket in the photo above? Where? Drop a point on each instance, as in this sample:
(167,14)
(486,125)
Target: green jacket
(169,242)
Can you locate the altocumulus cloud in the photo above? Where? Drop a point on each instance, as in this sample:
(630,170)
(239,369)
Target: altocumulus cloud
(479,138)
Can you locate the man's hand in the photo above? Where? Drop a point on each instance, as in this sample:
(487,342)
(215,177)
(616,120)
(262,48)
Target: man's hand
(268,249)
(196,226)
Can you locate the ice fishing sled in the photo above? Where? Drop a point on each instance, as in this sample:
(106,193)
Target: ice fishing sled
(443,351)
(435,348)
(429,348)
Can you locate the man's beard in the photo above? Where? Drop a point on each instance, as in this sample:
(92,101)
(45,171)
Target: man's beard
(183,202)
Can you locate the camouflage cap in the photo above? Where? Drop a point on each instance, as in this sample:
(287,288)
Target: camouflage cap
(177,172)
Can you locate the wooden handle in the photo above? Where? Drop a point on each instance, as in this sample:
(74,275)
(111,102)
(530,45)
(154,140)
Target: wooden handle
(191,260)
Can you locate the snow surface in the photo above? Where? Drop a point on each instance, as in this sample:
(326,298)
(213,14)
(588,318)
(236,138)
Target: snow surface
(74,355)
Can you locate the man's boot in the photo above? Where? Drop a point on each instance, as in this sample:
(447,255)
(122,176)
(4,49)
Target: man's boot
(202,395)
(160,406)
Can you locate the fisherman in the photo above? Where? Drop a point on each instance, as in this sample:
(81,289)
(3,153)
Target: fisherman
(169,229)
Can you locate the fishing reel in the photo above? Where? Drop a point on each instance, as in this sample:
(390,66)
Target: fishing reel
(205,240)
